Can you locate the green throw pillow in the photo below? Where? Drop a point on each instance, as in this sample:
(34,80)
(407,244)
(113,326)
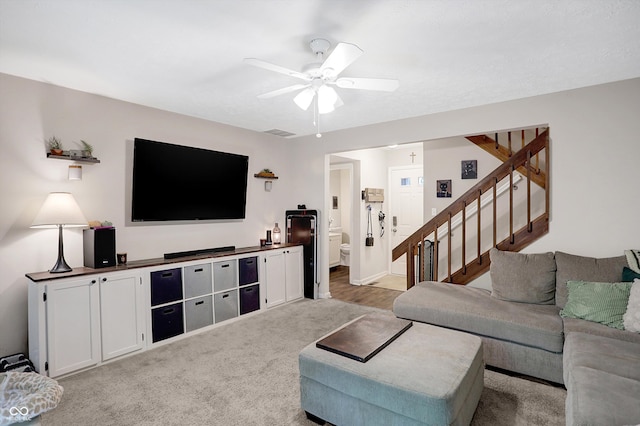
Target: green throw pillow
(628,274)
(604,303)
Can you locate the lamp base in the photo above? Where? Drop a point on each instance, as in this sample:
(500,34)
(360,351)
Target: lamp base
(61,264)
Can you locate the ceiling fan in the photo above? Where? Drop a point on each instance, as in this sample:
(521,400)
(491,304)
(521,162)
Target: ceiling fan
(319,78)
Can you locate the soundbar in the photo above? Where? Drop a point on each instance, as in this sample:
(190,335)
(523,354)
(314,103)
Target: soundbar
(178,254)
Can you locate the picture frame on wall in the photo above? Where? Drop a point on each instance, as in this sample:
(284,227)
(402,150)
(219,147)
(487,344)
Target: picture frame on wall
(469,169)
(443,188)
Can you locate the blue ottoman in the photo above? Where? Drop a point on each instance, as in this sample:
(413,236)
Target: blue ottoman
(427,376)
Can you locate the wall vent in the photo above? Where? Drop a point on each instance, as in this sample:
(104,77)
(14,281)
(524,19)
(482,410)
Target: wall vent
(281,133)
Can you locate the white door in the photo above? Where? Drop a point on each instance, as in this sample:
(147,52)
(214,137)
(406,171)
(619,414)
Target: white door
(294,273)
(275,277)
(73,325)
(122,318)
(405,208)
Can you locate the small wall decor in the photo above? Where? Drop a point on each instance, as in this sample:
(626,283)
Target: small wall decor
(443,188)
(469,169)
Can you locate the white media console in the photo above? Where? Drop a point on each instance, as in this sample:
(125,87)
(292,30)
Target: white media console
(86,317)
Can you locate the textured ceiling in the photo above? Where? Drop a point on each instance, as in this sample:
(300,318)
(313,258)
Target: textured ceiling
(186,56)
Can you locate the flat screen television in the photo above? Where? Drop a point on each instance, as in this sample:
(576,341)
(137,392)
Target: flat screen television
(181,183)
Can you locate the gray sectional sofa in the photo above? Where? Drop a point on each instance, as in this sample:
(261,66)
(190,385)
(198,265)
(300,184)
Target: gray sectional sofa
(524,329)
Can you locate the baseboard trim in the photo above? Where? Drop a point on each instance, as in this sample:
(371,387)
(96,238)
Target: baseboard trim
(368,280)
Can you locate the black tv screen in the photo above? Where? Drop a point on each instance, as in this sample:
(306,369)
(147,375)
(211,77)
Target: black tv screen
(181,183)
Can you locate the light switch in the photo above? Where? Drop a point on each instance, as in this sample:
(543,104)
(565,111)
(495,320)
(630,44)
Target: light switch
(434,211)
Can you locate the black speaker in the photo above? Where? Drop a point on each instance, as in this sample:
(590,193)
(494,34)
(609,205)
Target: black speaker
(99,247)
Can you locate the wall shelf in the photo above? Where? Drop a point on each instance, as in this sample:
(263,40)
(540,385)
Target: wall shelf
(70,158)
(258,175)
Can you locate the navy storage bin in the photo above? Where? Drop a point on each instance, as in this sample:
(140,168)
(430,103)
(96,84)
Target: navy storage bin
(167,321)
(249,299)
(166,286)
(248,270)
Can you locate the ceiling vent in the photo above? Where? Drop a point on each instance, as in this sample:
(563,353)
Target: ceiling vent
(281,133)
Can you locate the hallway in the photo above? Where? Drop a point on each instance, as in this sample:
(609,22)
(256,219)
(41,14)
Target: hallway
(360,294)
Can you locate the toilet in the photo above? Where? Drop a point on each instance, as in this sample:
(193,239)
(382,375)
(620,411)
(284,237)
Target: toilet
(345,252)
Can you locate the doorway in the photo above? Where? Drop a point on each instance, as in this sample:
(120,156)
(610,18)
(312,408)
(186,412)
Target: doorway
(406,194)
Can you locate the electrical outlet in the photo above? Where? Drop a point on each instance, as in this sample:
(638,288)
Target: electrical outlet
(434,211)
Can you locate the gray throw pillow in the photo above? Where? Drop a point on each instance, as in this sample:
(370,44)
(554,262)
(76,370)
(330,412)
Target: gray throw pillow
(581,268)
(525,278)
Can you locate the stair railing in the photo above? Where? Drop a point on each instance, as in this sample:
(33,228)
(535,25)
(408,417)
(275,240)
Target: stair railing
(415,249)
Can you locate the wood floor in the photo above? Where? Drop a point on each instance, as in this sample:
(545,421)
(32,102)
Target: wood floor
(361,294)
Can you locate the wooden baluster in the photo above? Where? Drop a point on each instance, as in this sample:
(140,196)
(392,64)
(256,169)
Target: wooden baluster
(495,212)
(546,175)
(436,255)
(479,217)
(464,238)
(449,248)
(529,223)
(522,133)
(512,236)
(510,150)
(423,253)
(497,143)
(537,157)
(411,271)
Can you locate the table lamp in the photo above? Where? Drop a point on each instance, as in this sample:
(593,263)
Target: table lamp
(59,209)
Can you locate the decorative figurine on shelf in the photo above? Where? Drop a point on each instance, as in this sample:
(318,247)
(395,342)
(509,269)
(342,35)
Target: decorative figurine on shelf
(276,235)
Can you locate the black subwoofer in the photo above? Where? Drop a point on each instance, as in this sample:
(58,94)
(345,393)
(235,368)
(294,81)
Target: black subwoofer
(99,247)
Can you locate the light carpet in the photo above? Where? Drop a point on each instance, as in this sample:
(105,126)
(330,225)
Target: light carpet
(246,373)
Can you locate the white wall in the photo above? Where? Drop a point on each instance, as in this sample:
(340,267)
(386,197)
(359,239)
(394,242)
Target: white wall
(594,153)
(594,174)
(373,259)
(30,112)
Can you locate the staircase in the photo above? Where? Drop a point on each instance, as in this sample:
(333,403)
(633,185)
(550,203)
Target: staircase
(482,218)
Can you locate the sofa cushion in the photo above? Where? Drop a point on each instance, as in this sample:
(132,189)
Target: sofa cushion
(572,267)
(595,397)
(602,353)
(526,278)
(602,377)
(604,303)
(572,325)
(474,310)
(631,318)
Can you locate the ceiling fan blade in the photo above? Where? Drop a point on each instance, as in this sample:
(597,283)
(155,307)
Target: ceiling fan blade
(342,56)
(304,98)
(382,84)
(277,68)
(282,91)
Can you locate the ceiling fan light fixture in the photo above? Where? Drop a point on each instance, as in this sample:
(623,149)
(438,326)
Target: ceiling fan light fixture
(327,99)
(304,98)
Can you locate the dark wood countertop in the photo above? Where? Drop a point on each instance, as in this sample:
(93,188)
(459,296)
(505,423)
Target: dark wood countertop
(137,264)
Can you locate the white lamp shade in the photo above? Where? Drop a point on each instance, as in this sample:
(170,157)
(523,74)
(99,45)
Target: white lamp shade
(60,208)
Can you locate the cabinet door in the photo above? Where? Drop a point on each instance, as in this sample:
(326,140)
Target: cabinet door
(275,277)
(122,314)
(73,325)
(294,273)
